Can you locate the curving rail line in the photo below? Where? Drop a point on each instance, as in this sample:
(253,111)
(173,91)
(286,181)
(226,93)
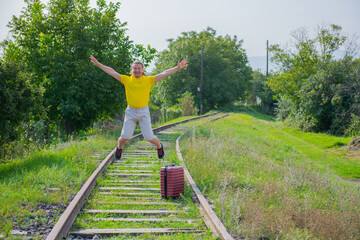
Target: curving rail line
(132,188)
(213,222)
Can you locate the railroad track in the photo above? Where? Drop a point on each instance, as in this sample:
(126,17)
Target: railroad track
(126,202)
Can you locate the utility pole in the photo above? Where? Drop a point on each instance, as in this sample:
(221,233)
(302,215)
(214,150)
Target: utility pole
(267,72)
(267,58)
(201,81)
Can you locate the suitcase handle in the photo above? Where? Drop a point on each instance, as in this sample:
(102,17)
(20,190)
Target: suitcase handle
(165,178)
(165,181)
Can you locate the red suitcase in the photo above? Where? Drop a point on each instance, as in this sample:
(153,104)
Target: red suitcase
(172,181)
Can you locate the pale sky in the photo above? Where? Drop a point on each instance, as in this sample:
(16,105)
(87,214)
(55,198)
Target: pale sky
(255,21)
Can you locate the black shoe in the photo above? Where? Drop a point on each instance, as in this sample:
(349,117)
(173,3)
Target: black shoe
(161,151)
(118,153)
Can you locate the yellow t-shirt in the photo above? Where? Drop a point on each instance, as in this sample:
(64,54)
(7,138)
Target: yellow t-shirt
(137,90)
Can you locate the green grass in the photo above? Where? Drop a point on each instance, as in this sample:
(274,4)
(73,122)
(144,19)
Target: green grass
(268,180)
(310,145)
(25,182)
(321,140)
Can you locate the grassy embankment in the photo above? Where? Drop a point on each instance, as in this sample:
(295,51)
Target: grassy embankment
(50,175)
(268,180)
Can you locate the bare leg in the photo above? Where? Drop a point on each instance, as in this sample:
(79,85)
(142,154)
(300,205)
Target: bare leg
(156,142)
(121,142)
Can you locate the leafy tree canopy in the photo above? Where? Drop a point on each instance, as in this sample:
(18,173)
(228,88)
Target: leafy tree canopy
(17,98)
(296,65)
(54,42)
(226,75)
(318,92)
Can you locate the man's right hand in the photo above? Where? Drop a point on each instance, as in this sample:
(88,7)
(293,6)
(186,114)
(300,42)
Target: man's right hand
(94,61)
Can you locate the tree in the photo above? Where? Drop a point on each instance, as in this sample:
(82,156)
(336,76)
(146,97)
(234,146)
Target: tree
(331,97)
(55,42)
(226,74)
(17,99)
(263,91)
(316,92)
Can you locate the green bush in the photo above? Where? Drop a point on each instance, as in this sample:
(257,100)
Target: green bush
(187,105)
(168,114)
(284,108)
(18,97)
(354,128)
(326,102)
(319,92)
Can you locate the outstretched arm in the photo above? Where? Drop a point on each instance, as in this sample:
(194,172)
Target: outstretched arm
(168,72)
(106,69)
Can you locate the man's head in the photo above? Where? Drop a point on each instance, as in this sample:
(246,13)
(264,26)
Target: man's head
(137,69)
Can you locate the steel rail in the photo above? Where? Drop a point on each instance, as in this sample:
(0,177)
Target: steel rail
(214,223)
(63,225)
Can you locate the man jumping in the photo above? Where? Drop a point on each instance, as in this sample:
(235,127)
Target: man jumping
(137,90)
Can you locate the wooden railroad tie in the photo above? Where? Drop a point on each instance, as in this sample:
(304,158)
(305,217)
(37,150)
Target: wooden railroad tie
(138,203)
(121,211)
(131,181)
(107,232)
(130,193)
(135,184)
(132,171)
(127,188)
(133,165)
(135,198)
(140,161)
(131,174)
(146,220)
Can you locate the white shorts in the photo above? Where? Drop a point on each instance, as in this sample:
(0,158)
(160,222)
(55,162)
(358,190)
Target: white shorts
(134,115)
